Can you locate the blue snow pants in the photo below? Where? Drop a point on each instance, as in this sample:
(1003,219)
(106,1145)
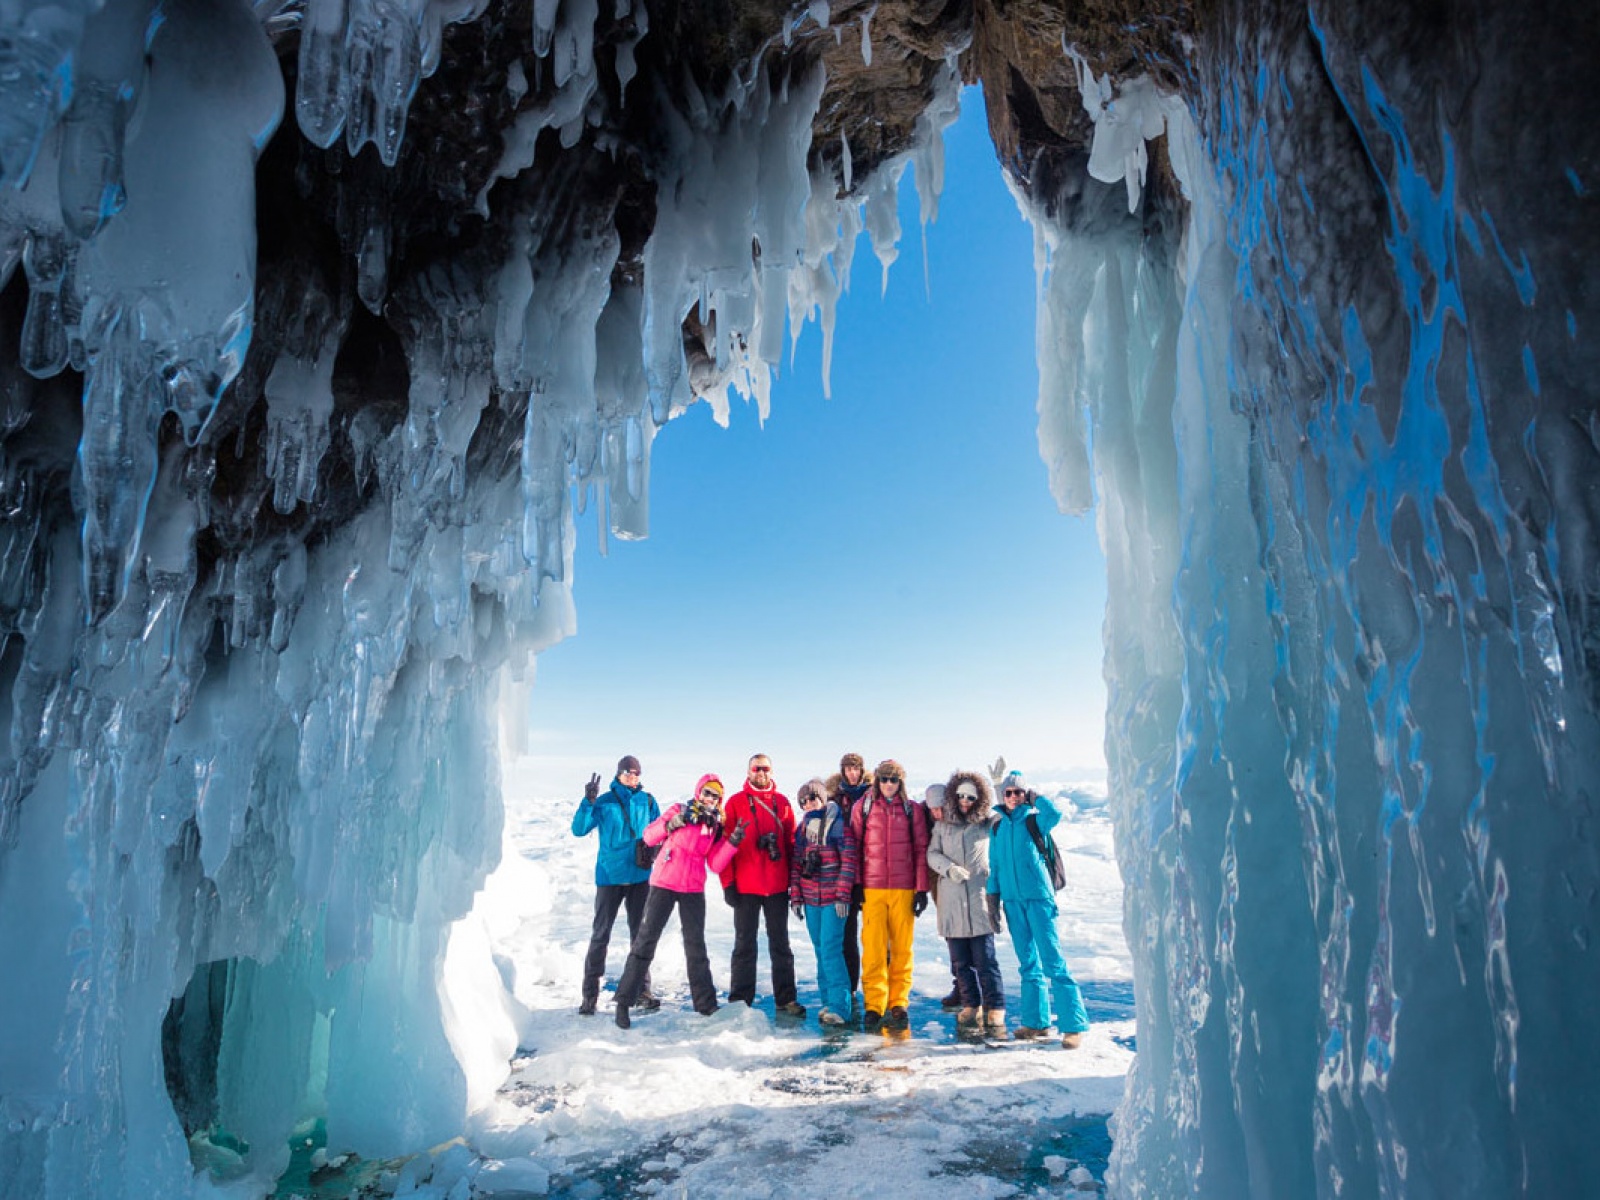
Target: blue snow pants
(1033,933)
(826,928)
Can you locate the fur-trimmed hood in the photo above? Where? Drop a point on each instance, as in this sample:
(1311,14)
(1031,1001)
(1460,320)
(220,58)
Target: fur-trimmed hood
(980,814)
(835,783)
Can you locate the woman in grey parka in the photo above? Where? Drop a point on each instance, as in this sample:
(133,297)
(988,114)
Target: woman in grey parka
(958,853)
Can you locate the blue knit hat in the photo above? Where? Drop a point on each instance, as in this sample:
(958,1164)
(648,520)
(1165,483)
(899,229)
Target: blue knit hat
(1013,779)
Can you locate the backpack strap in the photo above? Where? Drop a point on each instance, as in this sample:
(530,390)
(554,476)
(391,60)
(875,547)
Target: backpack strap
(1040,842)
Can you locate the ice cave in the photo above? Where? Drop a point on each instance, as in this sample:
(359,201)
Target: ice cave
(321,319)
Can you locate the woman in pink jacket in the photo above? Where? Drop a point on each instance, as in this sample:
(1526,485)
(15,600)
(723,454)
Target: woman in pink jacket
(691,840)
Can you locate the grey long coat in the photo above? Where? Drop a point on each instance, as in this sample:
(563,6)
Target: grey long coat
(963,910)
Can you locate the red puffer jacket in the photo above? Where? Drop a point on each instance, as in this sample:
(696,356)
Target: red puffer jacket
(753,871)
(894,842)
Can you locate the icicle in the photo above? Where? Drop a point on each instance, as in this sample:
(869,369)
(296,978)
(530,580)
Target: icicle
(109,77)
(846,165)
(322,89)
(384,61)
(627,64)
(866,35)
(882,215)
(299,396)
(190,212)
(544,25)
(44,336)
(117,463)
(372,265)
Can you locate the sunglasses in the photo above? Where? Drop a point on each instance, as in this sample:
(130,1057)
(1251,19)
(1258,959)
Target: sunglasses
(625,774)
(1014,792)
(966,795)
(888,779)
(711,793)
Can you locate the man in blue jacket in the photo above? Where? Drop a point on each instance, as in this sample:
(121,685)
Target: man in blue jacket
(620,814)
(1019,877)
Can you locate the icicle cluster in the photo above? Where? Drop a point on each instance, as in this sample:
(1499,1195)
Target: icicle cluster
(251,762)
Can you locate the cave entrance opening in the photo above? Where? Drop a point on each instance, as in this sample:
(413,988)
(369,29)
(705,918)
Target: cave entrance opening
(880,570)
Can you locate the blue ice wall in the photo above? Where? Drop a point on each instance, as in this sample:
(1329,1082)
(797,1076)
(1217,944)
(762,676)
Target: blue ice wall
(1353,737)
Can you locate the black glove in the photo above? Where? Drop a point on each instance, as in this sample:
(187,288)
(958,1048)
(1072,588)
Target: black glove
(737,835)
(592,788)
(676,821)
(730,893)
(858,895)
(919,904)
(995,919)
(798,909)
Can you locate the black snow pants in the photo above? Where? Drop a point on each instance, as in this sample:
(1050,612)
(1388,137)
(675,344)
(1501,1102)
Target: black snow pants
(691,908)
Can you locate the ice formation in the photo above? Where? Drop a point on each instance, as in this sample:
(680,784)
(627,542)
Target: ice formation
(252,660)
(302,413)
(1352,731)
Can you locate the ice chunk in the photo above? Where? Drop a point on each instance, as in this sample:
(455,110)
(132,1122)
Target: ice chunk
(1124,117)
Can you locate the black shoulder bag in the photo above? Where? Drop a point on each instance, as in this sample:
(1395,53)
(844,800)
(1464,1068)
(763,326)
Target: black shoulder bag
(644,854)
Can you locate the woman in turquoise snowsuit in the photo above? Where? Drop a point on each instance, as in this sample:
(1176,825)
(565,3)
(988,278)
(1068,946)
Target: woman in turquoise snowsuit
(1020,878)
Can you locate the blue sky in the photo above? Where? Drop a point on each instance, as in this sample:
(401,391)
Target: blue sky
(883,571)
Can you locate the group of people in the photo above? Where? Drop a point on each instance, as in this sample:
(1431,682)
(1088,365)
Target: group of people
(857,864)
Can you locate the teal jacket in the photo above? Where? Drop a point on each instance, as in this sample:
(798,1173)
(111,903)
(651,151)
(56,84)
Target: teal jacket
(1016,869)
(620,815)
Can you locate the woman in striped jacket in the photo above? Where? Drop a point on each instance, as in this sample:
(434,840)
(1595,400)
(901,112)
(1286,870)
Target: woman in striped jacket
(822,875)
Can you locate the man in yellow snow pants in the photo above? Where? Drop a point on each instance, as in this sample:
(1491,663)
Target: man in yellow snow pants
(887,927)
(892,830)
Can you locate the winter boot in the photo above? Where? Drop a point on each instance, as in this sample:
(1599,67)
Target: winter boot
(994,1021)
(873,1021)
(591,997)
(1027,1033)
(792,1009)
(953,1001)
(969,1018)
(898,1018)
(1071,1041)
(622,1017)
(648,1001)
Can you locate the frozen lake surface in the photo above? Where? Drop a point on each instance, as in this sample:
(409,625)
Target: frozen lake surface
(741,1104)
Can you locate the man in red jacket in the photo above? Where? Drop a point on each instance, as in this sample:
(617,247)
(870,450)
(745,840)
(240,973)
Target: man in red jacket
(756,885)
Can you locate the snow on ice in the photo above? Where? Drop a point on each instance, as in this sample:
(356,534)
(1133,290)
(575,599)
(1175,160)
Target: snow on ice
(739,1104)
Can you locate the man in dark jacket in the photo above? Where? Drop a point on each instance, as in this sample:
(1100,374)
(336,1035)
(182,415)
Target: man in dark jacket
(845,789)
(620,815)
(756,885)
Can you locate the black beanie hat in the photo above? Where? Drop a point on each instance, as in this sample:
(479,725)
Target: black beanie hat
(628,763)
